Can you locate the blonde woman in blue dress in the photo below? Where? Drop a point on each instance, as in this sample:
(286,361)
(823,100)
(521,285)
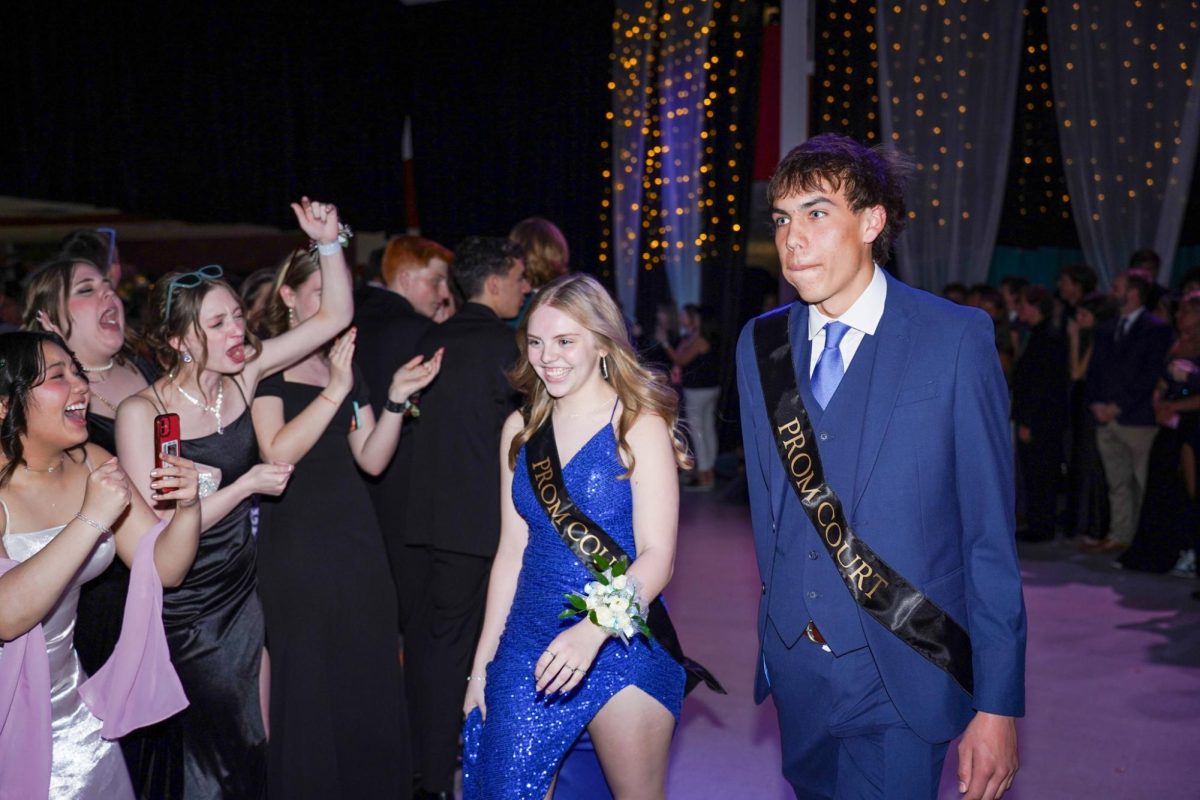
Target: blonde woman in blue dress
(538,681)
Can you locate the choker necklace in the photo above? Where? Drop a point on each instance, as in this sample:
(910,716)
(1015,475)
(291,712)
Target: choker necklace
(48,470)
(214,409)
(105,368)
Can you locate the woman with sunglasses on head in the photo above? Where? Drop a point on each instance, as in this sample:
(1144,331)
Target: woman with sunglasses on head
(323,576)
(68,507)
(214,620)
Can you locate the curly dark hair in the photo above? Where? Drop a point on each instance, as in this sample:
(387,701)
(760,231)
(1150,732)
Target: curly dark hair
(22,369)
(866,176)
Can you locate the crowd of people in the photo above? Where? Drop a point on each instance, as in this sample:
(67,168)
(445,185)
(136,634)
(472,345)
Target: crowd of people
(1105,406)
(278,539)
(327,525)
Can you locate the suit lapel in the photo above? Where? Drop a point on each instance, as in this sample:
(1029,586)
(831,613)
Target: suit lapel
(893,348)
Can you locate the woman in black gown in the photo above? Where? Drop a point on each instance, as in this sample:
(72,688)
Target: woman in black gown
(339,726)
(214,620)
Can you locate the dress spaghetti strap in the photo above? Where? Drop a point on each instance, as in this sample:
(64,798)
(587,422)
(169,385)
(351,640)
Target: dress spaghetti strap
(613,415)
(7,516)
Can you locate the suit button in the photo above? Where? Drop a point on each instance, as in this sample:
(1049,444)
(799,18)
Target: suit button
(824,436)
(812,595)
(812,554)
(764,588)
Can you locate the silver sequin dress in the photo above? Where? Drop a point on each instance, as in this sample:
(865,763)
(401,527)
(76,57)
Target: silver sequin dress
(85,766)
(517,751)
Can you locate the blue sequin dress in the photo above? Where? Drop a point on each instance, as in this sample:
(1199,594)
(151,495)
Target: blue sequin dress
(516,753)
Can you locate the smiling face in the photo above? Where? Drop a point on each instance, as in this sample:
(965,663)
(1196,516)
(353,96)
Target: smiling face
(56,411)
(825,247)
(223,330)
(97,318)
(564,354)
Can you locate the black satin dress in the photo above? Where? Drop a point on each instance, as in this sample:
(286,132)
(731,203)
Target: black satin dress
(214,625)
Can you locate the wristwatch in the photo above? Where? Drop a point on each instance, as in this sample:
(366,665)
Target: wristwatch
(408,407)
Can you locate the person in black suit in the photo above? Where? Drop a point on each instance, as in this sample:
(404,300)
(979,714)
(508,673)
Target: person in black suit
(391,317)
(1126,362)
(1039,409)
(452,523)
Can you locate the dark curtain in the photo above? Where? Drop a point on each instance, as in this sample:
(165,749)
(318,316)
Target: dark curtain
(508,115)
(209,115)
(739,32)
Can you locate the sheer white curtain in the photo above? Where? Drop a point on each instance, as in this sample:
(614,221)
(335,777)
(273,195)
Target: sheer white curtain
(948,82)
(632,56)
(682,85)
(1125,77)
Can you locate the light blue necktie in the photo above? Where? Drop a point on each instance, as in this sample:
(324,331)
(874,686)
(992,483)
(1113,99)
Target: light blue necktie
(829,371)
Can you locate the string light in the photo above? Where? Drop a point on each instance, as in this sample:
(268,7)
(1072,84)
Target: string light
(673,94)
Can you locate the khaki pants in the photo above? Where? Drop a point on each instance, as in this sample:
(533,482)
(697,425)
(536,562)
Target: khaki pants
(1125,453)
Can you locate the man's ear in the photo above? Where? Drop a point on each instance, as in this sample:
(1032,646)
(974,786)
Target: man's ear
(491,285)
(874,221)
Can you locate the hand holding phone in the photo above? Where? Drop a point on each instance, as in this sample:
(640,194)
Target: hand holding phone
(166,438)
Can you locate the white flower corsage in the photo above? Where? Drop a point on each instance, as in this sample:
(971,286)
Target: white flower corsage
(345,234)
(611,600)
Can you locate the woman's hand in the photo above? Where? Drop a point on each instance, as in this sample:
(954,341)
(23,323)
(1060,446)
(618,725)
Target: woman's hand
(1181,369)
(47,325)
(177,480)
(318,220)
(569,657)
(269,479)
(106,494)
(475,697)
(414,376)
(341,369)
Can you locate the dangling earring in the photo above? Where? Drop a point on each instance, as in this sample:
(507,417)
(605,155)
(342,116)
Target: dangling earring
(187,357)
(291,317)
(604,367)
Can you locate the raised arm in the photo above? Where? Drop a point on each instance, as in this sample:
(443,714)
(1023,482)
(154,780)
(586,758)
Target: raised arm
(320,222)
(375,441)
(502,585)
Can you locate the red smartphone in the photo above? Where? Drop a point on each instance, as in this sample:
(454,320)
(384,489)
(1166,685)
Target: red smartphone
(166,437)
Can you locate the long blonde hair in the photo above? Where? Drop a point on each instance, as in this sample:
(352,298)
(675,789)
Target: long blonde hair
(641,390)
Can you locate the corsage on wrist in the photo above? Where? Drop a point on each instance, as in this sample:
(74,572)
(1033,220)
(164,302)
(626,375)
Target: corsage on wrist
(611,601)
(345,234)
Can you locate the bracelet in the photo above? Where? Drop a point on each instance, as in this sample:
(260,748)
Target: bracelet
(344,235)
(408,407)
(477,677)
(79,515)
(189,503)
(323,396)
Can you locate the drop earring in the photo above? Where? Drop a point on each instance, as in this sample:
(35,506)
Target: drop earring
(291,317)
(604,367)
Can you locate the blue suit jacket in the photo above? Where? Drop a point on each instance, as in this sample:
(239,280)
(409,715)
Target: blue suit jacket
(916,443)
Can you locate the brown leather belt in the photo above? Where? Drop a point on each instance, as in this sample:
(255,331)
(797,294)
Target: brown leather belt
(813,634)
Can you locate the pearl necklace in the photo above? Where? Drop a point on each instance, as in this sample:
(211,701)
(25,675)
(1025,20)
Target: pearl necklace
(105,368)
(214,409)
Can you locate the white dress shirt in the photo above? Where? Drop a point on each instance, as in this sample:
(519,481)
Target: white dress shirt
(863,318)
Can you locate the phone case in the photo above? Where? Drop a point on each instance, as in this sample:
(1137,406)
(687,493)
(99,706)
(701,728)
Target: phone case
(166,437)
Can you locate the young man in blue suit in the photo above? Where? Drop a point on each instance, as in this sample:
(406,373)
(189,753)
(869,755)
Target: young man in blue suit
(879,459)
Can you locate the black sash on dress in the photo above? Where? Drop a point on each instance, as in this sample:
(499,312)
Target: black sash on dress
(587,540)
(881,591)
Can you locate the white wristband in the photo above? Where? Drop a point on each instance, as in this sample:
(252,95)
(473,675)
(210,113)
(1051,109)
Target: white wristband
(329,248)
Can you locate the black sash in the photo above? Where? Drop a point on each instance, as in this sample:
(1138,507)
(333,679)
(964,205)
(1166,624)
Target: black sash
(587,540)
(880,590)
